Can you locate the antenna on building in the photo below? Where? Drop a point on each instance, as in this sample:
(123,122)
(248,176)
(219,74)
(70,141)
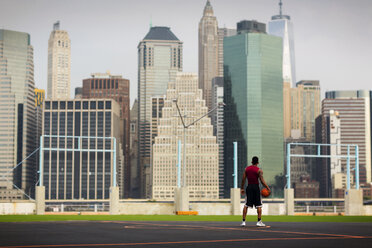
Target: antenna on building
(56,26)
(280,8)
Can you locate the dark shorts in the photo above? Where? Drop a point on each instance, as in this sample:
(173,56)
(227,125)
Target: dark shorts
(253,196)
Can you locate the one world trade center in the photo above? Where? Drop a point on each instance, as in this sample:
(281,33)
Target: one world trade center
(281,25)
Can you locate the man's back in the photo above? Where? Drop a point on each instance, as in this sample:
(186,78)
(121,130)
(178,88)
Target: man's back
(251,173)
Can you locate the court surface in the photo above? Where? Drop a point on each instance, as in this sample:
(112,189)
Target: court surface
(183,234)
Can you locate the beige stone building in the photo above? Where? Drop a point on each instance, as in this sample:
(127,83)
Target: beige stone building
(208,52)
(301,106)
(354,112)
(59,64)
(201,145)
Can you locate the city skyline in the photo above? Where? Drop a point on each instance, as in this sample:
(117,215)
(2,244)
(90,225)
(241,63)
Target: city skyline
(320,42)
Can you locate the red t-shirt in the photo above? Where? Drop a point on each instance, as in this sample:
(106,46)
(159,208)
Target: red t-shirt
(251,172)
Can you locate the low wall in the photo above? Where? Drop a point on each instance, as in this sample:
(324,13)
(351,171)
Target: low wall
(163,208)
(147,208)
(367,210)
(211,208)
(203,208)
(22,207)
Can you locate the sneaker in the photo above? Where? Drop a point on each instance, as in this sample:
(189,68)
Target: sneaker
(260,223)
(243,223)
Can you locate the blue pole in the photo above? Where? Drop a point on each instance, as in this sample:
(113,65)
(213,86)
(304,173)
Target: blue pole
(179,165)
(357,166)
(235,164)
(41,161)
(318,150)
(114,180)
(288,166)
(348,168)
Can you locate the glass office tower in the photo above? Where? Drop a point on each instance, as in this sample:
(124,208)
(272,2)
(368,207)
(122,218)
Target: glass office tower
(17,115)
(254,101)
(282,26)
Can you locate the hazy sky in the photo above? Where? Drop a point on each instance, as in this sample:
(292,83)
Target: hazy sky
(333,38)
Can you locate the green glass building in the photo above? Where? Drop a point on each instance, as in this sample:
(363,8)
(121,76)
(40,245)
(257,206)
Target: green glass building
(254,103)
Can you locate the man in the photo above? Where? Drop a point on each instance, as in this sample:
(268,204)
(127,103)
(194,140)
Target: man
(253,195)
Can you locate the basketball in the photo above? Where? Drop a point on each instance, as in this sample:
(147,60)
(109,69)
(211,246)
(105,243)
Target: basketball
(265,192)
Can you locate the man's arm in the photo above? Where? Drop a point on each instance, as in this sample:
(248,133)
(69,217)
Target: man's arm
(243,182)
(260,175)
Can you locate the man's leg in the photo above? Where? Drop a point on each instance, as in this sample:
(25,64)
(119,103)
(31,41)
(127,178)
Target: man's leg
(259,213)
(244,212)
(244,215)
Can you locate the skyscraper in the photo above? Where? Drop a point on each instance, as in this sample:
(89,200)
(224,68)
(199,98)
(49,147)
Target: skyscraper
(281,25)
(301,108)
(217,118)
(70,173)
(201,147)
(17,115)
(159,60)
(354,112)
(222,33)
(254,100)
(59,64)
(105,85)
(39,102)
(134,176)
(208,52)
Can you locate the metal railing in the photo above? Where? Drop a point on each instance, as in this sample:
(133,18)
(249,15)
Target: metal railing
(319,205)
(78,207)
(320,209)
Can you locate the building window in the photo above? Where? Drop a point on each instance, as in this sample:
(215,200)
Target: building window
(47,123)
(93,105)
(77,105)
(100,104)
(47,105)
(108,104)
(92,84)
(85,105)
(54,105)
(70,105)
(77,126)
(62,105)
